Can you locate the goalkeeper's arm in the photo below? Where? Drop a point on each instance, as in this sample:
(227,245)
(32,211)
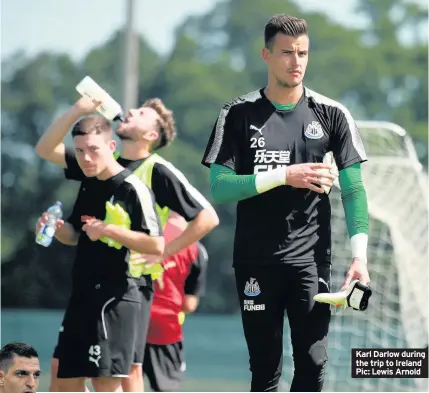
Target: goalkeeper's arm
(227,186)
(355,205)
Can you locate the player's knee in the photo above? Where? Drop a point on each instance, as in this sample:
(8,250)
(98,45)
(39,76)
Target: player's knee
(134,382)
(313,360)
(318,356)
(107,384)
(136,370)
(71,385)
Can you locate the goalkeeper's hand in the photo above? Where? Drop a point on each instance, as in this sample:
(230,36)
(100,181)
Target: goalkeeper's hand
(355,295)
(357,271)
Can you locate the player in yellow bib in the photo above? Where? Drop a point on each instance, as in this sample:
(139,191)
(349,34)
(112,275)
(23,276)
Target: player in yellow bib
(145,129)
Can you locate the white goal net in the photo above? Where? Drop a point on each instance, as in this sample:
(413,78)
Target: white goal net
(397,316)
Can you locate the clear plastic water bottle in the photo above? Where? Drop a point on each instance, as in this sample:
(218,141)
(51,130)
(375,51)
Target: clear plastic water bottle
(47,232)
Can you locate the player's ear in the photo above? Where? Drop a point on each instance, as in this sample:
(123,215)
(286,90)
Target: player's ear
(112,145)
(152,135)
(265,53)
(2,376)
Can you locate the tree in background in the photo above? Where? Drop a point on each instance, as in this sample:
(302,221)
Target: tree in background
(374,71)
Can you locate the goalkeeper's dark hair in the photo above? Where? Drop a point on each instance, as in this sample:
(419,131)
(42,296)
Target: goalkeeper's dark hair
(285,24)
(93,124)
(166,123)
(9,351)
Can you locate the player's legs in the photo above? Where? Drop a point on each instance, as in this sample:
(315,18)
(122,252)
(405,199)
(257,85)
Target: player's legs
(262,303)
(71,385)
(117,338)
(101,345)
(54,382)
(164,366)
(309,324)
(107,384)
(53,385)
(135,382)
(68,372)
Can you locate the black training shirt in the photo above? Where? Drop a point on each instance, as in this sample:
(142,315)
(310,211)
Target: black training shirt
(285,224)
(169,185)
(98,266)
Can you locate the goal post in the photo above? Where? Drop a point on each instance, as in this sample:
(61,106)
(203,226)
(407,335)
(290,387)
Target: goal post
(397,316)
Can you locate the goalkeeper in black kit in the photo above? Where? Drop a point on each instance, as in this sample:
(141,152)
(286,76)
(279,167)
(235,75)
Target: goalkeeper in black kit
(270,152)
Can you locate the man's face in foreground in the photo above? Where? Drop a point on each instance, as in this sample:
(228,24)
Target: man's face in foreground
(22,376)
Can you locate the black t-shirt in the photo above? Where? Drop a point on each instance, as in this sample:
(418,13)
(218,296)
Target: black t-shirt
(195,283)
(285,224)
(169,185)
(98,266)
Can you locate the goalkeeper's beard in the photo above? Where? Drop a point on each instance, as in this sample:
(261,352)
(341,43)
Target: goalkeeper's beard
(285,84)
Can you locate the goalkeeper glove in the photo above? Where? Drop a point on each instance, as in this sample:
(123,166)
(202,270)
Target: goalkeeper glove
(355,296)
(328,159)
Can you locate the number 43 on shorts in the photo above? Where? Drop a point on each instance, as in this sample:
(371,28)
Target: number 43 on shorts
(94,354)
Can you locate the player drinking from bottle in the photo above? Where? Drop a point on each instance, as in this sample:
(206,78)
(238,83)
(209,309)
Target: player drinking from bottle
(114,214)
(146,128)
